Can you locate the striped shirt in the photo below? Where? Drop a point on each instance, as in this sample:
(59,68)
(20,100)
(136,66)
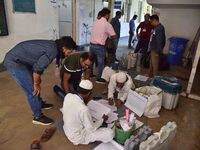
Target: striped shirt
(72,66)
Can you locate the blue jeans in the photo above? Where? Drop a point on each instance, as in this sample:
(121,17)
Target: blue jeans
(99,52)
(24,78)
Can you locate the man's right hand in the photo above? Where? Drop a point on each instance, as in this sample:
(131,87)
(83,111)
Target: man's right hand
(110,101)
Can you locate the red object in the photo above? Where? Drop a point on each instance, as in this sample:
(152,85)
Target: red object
(145,31)
(127,115)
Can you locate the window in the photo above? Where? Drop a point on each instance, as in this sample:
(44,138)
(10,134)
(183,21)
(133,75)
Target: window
(3,23)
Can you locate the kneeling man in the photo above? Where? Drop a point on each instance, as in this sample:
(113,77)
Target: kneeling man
(119,84)
(78,124)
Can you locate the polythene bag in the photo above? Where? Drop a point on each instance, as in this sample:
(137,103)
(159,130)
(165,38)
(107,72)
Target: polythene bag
(154,102)
(153,106)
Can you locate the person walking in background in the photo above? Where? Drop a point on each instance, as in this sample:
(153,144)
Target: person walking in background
(101,30)
(144,35)
(156,45)
(131,30)
(116,26)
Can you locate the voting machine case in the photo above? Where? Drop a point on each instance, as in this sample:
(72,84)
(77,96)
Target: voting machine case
(171,90)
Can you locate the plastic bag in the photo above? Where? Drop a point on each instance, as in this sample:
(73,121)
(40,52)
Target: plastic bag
(154,102)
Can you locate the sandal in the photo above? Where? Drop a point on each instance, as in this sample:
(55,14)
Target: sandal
(35,145)
(48,133)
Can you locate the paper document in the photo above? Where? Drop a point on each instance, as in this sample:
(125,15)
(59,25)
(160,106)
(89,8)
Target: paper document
(105,103)
(124,125)
(97,110)
(141,78)
(111,125)
(138,124)
(112,117)
(136,103)
(113,145)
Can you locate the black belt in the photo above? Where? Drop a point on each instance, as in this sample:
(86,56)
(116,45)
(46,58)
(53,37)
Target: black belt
(97,44)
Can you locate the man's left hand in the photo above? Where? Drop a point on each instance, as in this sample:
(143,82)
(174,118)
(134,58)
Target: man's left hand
(37,89)
(118,103)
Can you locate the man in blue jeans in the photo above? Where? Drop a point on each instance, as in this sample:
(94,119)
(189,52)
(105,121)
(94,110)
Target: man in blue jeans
(131,30)
(101,30)
(26,63)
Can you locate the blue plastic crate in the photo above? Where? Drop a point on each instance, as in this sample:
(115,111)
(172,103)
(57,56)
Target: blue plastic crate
(176,49)
(168,84)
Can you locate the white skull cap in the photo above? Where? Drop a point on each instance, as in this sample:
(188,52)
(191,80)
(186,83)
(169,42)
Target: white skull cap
(121,77)
(86,84)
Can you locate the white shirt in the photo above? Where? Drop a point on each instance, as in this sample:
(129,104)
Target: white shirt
(123,92)
(77,119)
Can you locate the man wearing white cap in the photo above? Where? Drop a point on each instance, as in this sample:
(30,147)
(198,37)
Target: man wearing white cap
(120,83)
(78,124)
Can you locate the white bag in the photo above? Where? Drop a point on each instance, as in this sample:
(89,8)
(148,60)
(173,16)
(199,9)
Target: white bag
(132,59)
(154,100)
(129,59)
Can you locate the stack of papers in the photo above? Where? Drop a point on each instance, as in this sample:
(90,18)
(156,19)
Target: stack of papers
(141,78)
(97,109)
(100,108)
(105,103)
(112,117)
(136,103)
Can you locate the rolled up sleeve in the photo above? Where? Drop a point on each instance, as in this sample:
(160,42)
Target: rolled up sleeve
(41,64)
(110,31)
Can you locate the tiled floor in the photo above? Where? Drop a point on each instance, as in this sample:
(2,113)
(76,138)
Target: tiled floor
(17,131)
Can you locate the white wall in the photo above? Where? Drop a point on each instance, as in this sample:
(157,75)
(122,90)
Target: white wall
(26,26)
(65,17)
(86,12)
(180,22)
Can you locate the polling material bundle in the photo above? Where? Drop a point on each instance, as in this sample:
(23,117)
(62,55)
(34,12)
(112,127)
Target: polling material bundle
(134,142)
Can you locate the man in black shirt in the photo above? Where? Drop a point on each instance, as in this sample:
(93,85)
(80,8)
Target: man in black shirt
(157,43)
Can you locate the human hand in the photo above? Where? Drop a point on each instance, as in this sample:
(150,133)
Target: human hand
(118,103)
(37,89)
(105,117)
(110,101)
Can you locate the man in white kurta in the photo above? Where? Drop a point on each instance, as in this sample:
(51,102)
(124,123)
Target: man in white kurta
(78,124)
(107,73)
(121,83)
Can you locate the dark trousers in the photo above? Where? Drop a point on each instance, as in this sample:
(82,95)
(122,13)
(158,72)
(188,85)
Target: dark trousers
(130,38)
(59,91)
(142,45)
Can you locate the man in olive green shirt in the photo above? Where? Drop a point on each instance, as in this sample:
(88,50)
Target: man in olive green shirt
(74,66)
